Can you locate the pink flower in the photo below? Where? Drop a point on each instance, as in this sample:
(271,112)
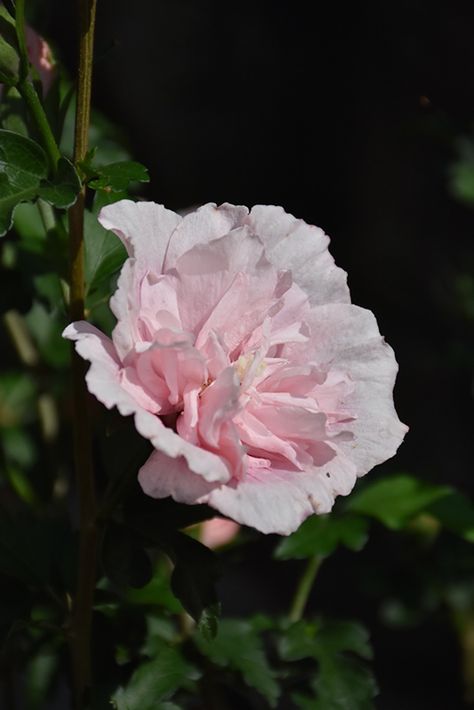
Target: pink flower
(41,58)
(217,532)
(265,393)
(39,54)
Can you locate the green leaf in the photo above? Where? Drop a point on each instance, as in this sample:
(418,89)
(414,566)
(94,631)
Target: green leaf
(9,57)
(62,190)
(342,682)
(396,500)
(155,681)
(104,252)
(238,646)
(322,534)
(195,572)
(23,166)
(124,560)
(456,513)
(116,177)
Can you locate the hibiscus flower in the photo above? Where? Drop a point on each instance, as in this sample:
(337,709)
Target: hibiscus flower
(263,390)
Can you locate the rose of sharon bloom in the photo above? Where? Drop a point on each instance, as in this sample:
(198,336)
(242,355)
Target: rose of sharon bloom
(264,392)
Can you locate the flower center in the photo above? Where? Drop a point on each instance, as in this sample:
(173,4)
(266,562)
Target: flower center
(249,366)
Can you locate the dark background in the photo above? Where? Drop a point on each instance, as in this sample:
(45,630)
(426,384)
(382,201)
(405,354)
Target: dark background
(348,116)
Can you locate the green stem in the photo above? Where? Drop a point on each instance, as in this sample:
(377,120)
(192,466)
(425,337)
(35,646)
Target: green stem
(82,609)
(304,588)
(47,215)
(29,95)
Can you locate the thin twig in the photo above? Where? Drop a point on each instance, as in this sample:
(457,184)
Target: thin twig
(82,609)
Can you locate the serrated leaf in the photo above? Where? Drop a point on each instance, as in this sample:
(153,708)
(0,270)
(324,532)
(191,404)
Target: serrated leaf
(157,592)
(62,190)
(23,166)
(322,534)
(155,681)
(116,177)
(196,567)
(396,500)
(342,682)
(238,646)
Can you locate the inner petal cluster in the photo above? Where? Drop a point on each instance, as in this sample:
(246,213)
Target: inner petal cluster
(214,347)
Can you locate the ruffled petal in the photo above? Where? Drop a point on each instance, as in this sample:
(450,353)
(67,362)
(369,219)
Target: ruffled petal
(272,501)
(346,338)
(207,223)
(292,244)
(144,228)
(103,376)
(104,381)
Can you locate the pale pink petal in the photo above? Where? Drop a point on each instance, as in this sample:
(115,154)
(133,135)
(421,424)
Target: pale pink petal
(207,223)
(218,532)
(162,476)
(208,465)
(212,277)
(347,338)
(145,229)
(103,380)
(292,244)
(278,501)
(272,501)
(103,376)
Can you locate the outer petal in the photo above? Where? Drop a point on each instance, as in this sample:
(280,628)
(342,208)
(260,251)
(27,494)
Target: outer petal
(271,501)
(145,229)
(274,501)
(292,244)
(103,376)
(346,338)
(103,380)
(202,226)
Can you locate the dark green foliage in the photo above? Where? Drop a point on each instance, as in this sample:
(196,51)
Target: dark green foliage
(321,535)
(105,255)
(22,168)
(9,59)
(62,189)
(154,682)
(238,646)
(115,177)
(396,500)
(343,680)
